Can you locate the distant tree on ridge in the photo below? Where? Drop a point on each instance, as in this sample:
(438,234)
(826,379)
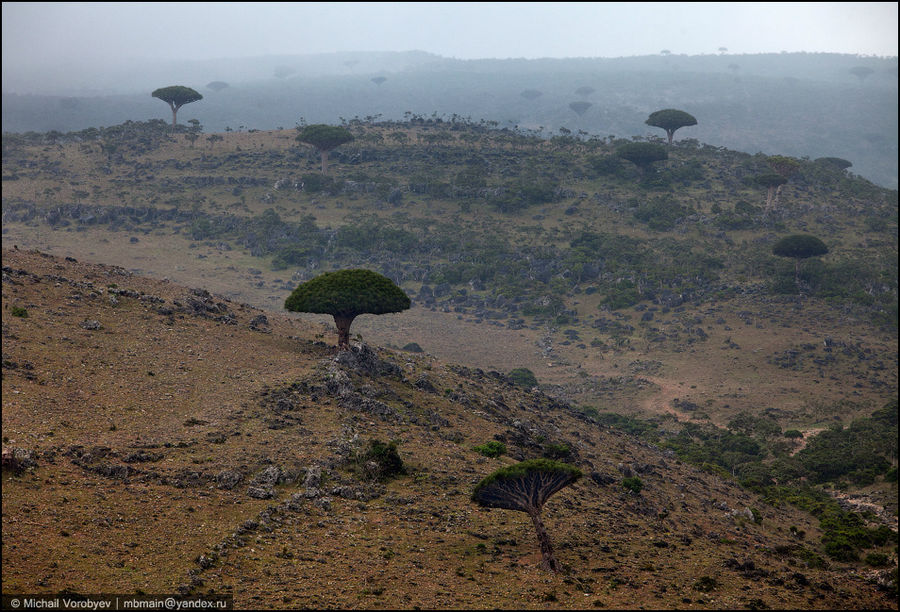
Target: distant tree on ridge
(670,119)
(325,138)
(176,96)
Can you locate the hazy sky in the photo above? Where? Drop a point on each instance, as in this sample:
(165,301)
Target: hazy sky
(42,34)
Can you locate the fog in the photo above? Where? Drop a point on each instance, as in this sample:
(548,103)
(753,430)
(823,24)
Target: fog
(87,47)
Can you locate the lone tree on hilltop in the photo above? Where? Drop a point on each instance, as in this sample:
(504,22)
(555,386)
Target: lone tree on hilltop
(525,487)
(325,138)
(670,119)
(642,154)
(176,96)
(799,247)
(345,294)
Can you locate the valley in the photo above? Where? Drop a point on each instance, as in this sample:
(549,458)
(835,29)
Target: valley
(668,343)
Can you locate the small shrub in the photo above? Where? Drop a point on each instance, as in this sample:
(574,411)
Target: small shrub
(812,560)
(877,559)
(621,295)
(523,377)
(412,347)
(382,461)
(705,584)
(633,484)
(18,311)
(492,449)
(557,451)
(316,183)
(590,412)
(793,433)
(840,549)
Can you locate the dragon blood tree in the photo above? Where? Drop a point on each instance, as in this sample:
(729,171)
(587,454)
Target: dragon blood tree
(525,487)
(346,294)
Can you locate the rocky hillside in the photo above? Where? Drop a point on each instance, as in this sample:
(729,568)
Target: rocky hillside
(159,438)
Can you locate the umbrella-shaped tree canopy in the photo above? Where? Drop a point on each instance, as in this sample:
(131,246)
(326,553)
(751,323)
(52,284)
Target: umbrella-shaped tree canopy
(525,487)
(345,294)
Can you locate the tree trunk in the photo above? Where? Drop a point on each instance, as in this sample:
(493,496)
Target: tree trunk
(670,134)
(324,154)
(343,328)
(549,561)
(770,195)
(174,113)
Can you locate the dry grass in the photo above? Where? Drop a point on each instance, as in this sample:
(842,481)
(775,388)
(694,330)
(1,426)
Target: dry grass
(169,385)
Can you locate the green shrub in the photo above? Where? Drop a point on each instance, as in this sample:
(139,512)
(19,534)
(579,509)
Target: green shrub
(557,451)
(380,461)
(412,347)
(793,433)
(631,425)
(840,549)
(491,449)
(706,584)
(590,412)
(18,311)
(633,484)
(660,214)
(621,295)
(523,377)
(877,559)
(606,165)
(316,183)
(292,255)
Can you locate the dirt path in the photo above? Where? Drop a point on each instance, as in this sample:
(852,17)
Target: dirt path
(807,435)
(661,401)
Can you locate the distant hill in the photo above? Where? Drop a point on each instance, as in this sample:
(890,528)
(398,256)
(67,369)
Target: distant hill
(804,105)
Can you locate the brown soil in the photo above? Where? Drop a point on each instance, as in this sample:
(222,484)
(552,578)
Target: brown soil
(131,423)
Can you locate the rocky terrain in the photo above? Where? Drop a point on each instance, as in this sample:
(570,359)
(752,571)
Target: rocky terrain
(161,438)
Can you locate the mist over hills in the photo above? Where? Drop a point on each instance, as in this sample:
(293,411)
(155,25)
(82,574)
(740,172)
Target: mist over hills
(168,428)
(803,105)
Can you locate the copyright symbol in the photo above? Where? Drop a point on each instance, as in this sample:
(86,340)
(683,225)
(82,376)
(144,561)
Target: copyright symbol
(14,603)
(170,603)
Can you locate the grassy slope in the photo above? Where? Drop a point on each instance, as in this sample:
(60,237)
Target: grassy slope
(733,369)
(198,396)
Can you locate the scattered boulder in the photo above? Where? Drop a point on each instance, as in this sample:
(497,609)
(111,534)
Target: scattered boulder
(228,479)
(269,476)
(18,459)
(264,492)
